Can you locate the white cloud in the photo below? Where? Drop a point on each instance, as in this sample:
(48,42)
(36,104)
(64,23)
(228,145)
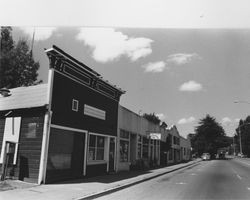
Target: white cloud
(41,33)
(190,86)
(186,120)
(182,58)
(155,67)
(237,120)
(226,121)
(161,116)
(108,44)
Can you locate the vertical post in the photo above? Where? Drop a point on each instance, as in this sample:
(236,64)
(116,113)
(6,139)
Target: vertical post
(85,153)
(108,151)
(240,141)
(4,164)
(233,146)
(46,130)
(44,149)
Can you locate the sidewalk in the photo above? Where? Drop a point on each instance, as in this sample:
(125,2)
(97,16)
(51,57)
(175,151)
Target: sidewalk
(88,188)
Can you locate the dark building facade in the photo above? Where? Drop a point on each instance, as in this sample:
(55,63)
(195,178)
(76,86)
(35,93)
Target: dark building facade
(84,110)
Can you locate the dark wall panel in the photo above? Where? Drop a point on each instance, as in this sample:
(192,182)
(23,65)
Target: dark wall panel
(95,170)
(65,89)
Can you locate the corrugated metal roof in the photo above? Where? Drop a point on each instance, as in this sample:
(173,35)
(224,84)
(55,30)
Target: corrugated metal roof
(25,97)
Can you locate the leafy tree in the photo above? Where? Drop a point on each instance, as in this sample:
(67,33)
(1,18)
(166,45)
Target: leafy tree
(243,133)
(152,118)
(209,136)
(17,66)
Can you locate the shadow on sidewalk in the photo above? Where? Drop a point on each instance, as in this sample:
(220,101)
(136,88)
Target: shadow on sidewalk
(107,178)
(114,177)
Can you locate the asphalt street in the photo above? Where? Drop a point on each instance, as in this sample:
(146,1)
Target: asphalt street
(215,179)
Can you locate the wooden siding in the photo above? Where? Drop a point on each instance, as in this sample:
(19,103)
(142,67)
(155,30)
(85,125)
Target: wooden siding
(29,151)
(65,90)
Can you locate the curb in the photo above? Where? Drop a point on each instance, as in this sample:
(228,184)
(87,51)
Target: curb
(121,187)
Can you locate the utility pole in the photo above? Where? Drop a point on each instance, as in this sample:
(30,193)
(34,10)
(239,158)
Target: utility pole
(233,146)
(240,142)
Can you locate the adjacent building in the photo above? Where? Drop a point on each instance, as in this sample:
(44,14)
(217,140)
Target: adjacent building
(138,140)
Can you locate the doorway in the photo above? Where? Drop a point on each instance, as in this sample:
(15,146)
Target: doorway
(112,155)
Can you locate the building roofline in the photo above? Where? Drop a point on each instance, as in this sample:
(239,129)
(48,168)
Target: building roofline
(81,65)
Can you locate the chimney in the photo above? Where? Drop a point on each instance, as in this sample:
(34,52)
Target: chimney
(5,92)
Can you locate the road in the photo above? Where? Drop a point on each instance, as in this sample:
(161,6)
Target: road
(215,179)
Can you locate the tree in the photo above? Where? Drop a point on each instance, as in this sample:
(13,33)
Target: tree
(209,136)
(152,118)
(17,66)
(243,133)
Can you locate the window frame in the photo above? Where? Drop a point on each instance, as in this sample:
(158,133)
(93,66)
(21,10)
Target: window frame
(96,148)
(139,146)
(124,137)
(75,105)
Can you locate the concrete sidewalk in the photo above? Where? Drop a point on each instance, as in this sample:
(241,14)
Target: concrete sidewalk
(88,188)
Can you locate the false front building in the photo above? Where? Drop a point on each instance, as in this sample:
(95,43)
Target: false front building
(75,124)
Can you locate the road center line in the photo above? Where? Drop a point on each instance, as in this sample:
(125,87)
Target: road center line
(243,162)
(239,176)
(234,171)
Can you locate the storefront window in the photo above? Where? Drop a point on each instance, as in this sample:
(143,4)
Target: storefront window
(96,147)
(139,146)
(171,154)
(145,147)
(139,150)
(60,149)
(124,146)
(139,138)
(124,134)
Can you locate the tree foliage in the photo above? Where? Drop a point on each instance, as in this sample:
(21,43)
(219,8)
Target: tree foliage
(17,66)
(209,136)
(243,133)
(152,118)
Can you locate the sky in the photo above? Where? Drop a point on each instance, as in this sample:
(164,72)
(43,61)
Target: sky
(178,59)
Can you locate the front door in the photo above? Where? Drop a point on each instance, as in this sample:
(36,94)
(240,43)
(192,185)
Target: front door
(112,155)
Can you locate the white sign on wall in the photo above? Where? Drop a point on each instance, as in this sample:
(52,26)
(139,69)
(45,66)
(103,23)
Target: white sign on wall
(11,134)
(94,112)
(155,136)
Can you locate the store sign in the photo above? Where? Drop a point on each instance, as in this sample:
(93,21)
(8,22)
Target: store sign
(155,136)
(94,112)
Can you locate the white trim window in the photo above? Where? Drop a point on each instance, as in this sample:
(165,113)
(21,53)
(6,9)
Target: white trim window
(139,146)
(96,148)
(75,104)
(124,146)
(145,145)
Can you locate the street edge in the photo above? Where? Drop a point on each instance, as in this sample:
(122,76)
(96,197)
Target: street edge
(121,187)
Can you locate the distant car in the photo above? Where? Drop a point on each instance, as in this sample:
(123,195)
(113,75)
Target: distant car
(241,155)
(206,156)
(221,155)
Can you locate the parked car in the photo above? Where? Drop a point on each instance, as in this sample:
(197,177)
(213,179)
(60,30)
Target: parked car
(241,155)
(206,156)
